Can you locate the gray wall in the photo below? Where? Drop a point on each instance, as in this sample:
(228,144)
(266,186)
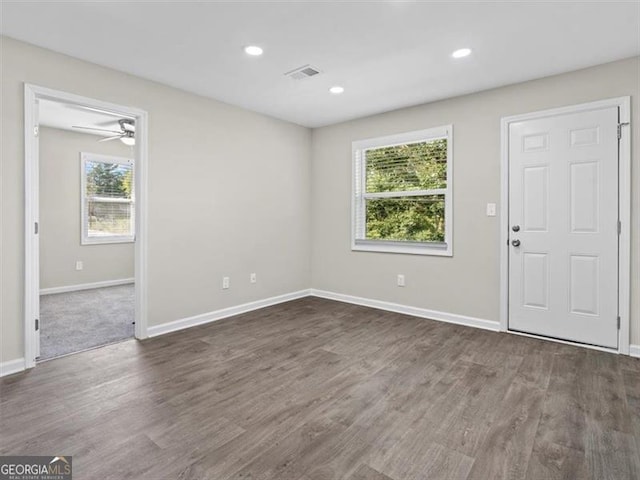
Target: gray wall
(228,192)
(60,221)
(467,283)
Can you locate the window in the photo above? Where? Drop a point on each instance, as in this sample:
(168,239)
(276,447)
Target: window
(402,193)
(108,199)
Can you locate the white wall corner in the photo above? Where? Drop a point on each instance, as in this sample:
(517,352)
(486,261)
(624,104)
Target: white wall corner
(11,367)
(492,325)
(634,350)
(156,330)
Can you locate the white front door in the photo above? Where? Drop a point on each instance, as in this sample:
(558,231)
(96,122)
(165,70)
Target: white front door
(563,220)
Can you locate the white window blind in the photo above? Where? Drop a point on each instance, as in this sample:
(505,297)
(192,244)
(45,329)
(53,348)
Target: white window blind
(402,193)
(108,199)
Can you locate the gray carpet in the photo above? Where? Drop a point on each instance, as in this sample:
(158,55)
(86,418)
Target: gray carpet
(76,321)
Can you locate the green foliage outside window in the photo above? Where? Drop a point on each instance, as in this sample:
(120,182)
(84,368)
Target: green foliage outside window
(108,180)
(407,168)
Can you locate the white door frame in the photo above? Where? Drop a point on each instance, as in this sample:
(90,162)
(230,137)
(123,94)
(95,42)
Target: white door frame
(624,202)
(32,94)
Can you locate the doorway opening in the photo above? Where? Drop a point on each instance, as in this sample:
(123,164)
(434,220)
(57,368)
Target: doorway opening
(85,229)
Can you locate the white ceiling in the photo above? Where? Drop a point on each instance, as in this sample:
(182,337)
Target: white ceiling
(60,115)
(387,55)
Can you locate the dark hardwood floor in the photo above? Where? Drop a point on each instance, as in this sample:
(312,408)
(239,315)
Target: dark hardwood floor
(314,390)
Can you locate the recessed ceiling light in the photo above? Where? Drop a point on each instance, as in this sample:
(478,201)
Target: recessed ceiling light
(337,90)
(253,50)
(463,52)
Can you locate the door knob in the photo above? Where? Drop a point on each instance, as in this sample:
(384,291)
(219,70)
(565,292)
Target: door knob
(515,243)
(516,228)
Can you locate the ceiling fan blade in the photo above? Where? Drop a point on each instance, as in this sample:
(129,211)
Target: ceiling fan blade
(107,124)
(96,129)
(99,110)
(108,139)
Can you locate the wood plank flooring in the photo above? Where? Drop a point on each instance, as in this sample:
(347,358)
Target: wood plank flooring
(319,390)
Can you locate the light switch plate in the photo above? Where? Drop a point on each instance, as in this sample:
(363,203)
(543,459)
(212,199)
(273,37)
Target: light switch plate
(491,209)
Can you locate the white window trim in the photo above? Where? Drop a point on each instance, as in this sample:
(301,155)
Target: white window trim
(358,177)
(84,237)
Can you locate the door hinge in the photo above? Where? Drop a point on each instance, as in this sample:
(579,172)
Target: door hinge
(37,324)
(618,322)
(619,227)
(36,130)
(35,228)
(620,125)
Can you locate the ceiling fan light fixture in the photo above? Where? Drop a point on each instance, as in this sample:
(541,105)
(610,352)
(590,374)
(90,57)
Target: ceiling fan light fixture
(128,141)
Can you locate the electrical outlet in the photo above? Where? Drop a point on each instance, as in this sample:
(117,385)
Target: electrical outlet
(225,283)
(401,280)
(253,278)
(491,209)
(79,265)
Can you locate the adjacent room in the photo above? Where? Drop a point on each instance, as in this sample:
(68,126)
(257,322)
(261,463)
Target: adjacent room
(86,239)
(320,240)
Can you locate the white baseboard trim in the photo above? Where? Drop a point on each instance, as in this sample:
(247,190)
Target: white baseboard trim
(18,365)
(86,286)
(155,330)
(413,311)
(11,367)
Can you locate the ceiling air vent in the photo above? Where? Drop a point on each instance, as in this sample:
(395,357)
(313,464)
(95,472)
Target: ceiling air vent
(303,72)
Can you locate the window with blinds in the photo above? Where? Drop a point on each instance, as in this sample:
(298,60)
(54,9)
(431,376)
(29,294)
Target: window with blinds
(108,199)
(402,193)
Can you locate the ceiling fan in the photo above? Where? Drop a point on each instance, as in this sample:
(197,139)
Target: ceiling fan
(127,133)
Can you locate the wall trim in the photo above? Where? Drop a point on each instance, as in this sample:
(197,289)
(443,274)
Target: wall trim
(11,367)
(86,286)
(32,94)
(156,330)
(484,324)
(18,365)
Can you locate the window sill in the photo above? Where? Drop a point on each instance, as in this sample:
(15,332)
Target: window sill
(106,240)
(438,250)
